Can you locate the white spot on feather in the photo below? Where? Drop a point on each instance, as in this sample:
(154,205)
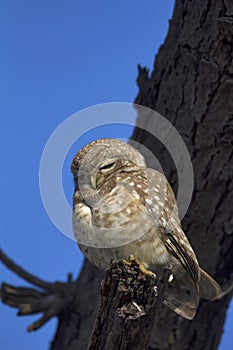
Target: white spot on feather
(170,278)
(135,194)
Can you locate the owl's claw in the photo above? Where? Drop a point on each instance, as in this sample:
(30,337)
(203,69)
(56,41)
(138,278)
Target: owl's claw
(141,266)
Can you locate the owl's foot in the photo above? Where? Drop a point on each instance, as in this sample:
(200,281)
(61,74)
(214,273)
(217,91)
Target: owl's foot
(142,267)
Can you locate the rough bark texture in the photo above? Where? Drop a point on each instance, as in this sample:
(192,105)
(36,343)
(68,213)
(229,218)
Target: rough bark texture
(192,86)
(130,301)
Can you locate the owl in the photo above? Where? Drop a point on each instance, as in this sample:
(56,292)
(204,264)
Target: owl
(122,208)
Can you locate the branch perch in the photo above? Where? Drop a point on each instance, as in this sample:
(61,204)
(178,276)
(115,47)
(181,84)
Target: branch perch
(130,301)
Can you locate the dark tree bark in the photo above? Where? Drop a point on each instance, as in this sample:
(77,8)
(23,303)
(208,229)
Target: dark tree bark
(130,304)
(192,86)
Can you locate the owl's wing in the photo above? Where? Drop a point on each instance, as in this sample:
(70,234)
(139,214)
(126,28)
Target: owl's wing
(188,262)
(175,239)
(184,301)
(162,197)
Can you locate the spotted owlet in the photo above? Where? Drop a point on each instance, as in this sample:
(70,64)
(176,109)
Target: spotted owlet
(123,208)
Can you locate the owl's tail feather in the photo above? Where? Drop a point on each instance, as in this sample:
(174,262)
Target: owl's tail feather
(183,299)
(209,288)
(181,309)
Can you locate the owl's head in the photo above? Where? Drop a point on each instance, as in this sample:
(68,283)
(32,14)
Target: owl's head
(101,158)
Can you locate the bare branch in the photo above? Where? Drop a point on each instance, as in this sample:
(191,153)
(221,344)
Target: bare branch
(10,264)
(52,301)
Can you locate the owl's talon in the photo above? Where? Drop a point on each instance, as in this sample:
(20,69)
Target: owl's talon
(127,262)
(142,267)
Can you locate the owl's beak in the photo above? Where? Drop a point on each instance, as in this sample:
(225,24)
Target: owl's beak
(93,181)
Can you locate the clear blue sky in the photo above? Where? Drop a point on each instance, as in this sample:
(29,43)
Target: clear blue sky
(58,57)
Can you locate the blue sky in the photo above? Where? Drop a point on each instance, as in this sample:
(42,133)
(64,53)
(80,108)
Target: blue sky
(57,58)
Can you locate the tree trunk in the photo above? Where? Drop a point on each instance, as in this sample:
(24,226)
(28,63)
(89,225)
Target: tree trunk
(192,86)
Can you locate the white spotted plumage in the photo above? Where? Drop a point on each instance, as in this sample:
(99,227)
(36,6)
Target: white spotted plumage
(123,208)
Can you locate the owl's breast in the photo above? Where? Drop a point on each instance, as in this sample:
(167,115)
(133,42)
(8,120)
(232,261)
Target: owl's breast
(116,218)
(118,208)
